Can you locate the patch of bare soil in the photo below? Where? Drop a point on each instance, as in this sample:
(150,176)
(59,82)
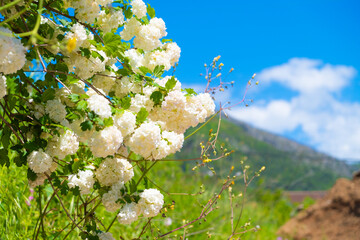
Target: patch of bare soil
(334,217)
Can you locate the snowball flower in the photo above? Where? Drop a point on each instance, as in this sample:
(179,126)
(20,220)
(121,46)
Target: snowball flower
(104,83)
(141,101)
(148,36)
(39,161)
(114,170)
(109,199)
(136,59)
(83,179)
(173,51)
(157,58)
(100,105)
(171,142)
(125,122)
(56,110)
(125,85)
(145,139)
(79,33)
(129,213)
(2,86)
(138,8)
(105,236)
(84,67)
(151,202)
(105,142)
(63,145)
(12,53)
(110,21)
(131,28)
(83,136)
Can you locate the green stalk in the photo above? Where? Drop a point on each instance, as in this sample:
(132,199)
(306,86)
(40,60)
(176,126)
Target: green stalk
(201,126)
(9,5)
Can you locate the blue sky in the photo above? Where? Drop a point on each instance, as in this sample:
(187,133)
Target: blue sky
(306,54)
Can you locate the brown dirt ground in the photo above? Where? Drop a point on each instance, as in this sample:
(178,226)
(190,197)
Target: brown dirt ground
(334,217)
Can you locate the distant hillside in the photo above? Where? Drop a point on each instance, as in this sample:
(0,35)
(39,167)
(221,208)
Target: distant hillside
(289,165)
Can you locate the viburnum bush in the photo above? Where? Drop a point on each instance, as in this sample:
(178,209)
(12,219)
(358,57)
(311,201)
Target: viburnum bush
(85,100)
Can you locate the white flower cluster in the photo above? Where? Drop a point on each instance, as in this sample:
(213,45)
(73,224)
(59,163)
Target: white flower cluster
(83,179)
(87,10)
(100,105)
(150,203)
(138,8)
(109,199)
(39,161)
(105,236)
(2,86)
(110,21)
(145,139)
(12,53)
(125,122)
(105,142)
(56,110)
(114,170)
(84,67)
(179,112)
(149,125)
(63,145)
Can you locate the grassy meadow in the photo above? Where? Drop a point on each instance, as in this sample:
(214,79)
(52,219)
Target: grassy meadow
(264,210)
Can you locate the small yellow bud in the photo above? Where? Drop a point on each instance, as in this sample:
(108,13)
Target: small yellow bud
(205,65)
(76,159)
(253,76)
(71,45)
(232,69)
(232,168)
(221,64)
(219,74)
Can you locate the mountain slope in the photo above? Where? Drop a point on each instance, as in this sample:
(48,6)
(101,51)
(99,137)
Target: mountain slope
(289,165)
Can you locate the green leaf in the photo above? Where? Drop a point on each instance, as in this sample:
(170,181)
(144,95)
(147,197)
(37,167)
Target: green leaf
(144,70)
(158,71)
(81,105)
(190,92)
(85,52)
(133,186)
(157,97)
(128,12)
(166,40)
(4,159)
(141,116)
(74,98)
(150,11)
(31,175)
(87,125)
(125,102)
(97,55)
(170,84)
(76,165)
(49,94)
(108,122)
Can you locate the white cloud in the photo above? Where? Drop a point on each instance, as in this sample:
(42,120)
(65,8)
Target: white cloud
(331,125)
(306,75)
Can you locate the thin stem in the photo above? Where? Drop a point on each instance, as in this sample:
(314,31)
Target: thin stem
(202,125)
(145,172)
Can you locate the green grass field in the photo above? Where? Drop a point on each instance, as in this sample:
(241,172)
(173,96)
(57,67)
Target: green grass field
(264,209)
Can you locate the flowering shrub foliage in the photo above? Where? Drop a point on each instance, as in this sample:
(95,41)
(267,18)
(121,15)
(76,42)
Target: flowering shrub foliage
(85,97)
